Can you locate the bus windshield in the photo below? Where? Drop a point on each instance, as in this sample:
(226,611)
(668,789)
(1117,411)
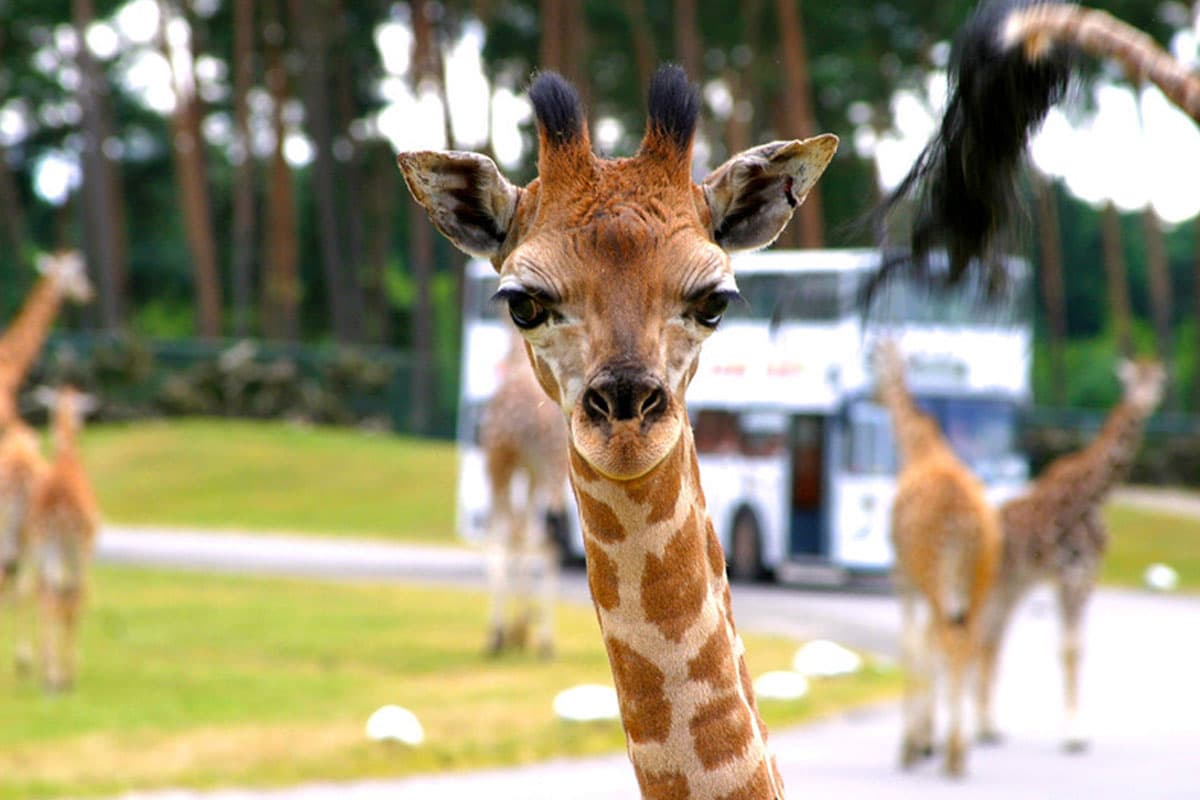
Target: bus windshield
(982,432)
(779,296)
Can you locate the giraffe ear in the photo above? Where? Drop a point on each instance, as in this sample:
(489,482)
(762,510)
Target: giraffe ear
(752,196)
(466,197)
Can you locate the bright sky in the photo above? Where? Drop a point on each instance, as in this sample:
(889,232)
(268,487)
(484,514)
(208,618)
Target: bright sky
(1133,149)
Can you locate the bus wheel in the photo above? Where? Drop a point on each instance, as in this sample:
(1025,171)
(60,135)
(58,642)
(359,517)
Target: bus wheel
(745,549)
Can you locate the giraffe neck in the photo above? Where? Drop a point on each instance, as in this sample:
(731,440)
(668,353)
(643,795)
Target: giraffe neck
(23,339)
(1108,458)
(916,434)
(657,575)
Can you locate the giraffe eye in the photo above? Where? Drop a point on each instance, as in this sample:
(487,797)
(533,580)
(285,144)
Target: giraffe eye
(710,308)
(526,312)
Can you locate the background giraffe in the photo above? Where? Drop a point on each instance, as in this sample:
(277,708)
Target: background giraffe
(523,437)
(947,544)
(63,276)
(616,271)
(21,467)
(1055,532)
(63,520)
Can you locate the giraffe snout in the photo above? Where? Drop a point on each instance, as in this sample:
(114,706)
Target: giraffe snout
(621,395)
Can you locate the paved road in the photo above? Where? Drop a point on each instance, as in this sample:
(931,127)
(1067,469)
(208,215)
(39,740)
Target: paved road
(1140,691)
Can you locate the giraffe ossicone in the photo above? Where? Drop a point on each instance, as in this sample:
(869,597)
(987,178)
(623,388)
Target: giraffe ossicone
(616,271)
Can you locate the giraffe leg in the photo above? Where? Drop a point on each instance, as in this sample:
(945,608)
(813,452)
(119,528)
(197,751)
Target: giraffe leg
(548,592)
(51,629)
(499,567)
(69,645)
(917,710)
(985,688)
(24,618)
(957,646)
(524,538)
(1072,598)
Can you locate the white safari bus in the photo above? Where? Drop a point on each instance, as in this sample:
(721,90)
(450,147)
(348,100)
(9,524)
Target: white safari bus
(796,458)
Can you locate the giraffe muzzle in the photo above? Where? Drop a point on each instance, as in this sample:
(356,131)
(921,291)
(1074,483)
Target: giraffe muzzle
(624,395)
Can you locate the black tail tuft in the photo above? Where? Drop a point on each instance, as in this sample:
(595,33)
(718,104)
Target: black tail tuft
(964,182)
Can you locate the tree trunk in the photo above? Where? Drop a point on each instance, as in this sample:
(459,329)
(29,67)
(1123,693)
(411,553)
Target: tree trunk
(1051,274)
(244,218)
(1118,281)
(187,150)
(1158,272)
(341,289)
(1196,296)
(643,42)
(551,45)
(281,285)
(421,263)
(800,113)
(103,206)
(688,47)
(12,213)
(381,193)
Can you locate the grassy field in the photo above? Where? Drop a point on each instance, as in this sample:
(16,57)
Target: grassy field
(273,476)
(1141,538)
(195,680)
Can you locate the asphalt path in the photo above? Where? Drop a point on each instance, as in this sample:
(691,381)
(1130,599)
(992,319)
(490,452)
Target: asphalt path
(1141,701)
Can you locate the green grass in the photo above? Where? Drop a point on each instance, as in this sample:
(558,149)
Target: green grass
(198,680)
(274,477)
(1141,538)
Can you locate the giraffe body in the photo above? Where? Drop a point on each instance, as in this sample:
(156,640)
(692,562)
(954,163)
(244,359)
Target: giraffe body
(616,271)
(21,467)
(62,277)
(1054,532)
(524,443)
(947,543)
(63,521)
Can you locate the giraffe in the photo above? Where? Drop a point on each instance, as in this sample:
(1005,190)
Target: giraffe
(1010,64)
(947,543)
(522,433)
(63,520)
(1054,532)
(21,467)
(63,276)
(616,271)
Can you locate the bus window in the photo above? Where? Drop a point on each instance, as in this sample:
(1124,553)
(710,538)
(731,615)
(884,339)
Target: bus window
(763,433)
(872,450)
(715,432)
(816,296)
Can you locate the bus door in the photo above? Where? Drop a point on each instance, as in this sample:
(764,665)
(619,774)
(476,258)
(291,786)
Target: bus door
(807,533)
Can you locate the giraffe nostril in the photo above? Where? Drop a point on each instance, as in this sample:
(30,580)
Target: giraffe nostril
(595,405)
(654,404)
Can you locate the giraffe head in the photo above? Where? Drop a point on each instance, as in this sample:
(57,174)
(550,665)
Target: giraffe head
(68,407)
(616,270)
(1143,382)
(66,268)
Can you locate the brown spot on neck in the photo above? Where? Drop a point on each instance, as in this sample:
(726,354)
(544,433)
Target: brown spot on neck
(599,519)
(645,709)
(675,586)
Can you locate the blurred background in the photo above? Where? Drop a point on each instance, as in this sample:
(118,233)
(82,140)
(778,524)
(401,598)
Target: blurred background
(227,168)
